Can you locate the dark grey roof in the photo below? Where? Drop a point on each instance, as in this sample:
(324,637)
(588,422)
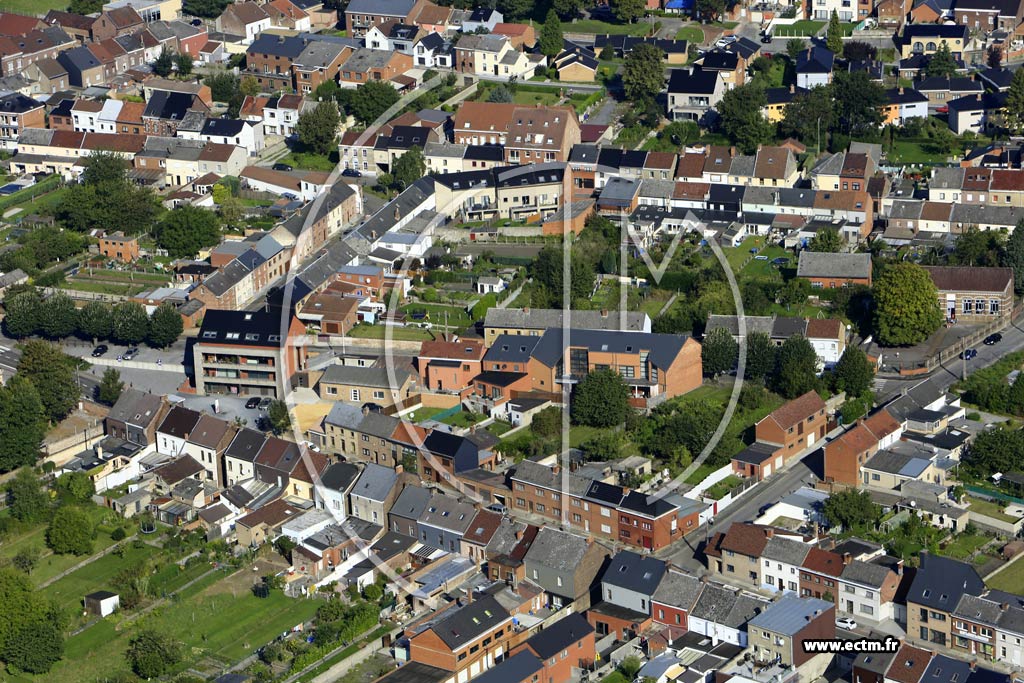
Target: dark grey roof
(875,662)
(820,264)
(634,572)
(242,328)
(467,623)
(224,127)
(557,549)
(788,550)
(411,502)
(136,407)
(339,476)
(179,422)
(246,445)
(393,8)
(375,482)
(544,318)
(940,582)
(511,348)
(365,376)
(790,614)
(723,606)
(692,81)
(16,103)
(865,573)
(943,669)
(662,348)
(277,45)
(815,60)
(172,106)
(560,635)
(446,512)
(678,590)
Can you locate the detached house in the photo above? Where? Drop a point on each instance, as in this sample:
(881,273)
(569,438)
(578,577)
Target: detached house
(246,19)
(692,92)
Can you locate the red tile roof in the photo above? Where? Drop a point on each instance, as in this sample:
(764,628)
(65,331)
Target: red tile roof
(823,562)
(797,410)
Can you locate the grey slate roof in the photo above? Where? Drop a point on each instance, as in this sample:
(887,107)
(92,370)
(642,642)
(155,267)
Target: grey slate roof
(465,624)
(662,348)
(947,177)
(789,615)
(940,581)
(375,482)
(906,209)
(542,475)
(364,377)
(556,549)
(816,264)
(634,572)
(135,407)
(865,573)
(543,318)
(446,512)
(411,502)
(722,606)
(978,609)
(786,550)
(678,590)
(393,8)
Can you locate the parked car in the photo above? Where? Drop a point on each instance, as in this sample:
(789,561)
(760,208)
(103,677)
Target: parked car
(968,354)
(497,507)
(131,353)
(99,350)
(780,261)
(265,402)
(846,622)
(352,173)
(311,446)
(253,403)
(282,167)
(993,339)
(766,38)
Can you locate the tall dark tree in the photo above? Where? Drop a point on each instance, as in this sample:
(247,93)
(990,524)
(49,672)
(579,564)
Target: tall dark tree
(643,74)
(130,323)
(165,326)
(834,35)
(164,63)
(941,64)
(994,58)
(106,198)
(152,653)
(859,51)
(601,399)
(760,356)
(1013,256)
(628,11)
(851,509)
(210,9)
(280,418)
(371,100)
(983,248)
(795,368)
(550,41)
(22,313)
(34,646)
(27,500)
(567,9)
(709,10)
(1014,116)
(51,373)
(70,531)
(852,373)
(318,129)
(858,102)
(409,167)
(110,387)
(794,46)
(186,230)
(906,305)
(58,317)
(95,321)
(810,115)
(741,117)
(22,424)
(184,62)
(718,352)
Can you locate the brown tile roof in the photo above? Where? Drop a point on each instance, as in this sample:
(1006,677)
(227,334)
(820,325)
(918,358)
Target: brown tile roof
(101,53)
(466,349)
(114,143)
(772,162)
(855,164)
(91,106)
(966,279)
(825,328)
(718,159)
(978,179)
(881,424)
(310,463)
(695,191)
(17,24)
(176,470)
(482,527)
(268,175)
(131,112)
(506,29)
(909,664)
(332,304)
(247,12)
(71,139)
(747,539)
(113,47)
(794,145)
(691,165)
(936,211)
(253,105)
(434,14)
(484,116)
(215,151)
(68,20)
(123,17)
(797,410)
(210,431)
(854,200)
(289,102)
(823,562)
(288,9)
(660,160)
(272,514)
(851,443)
(1007,180)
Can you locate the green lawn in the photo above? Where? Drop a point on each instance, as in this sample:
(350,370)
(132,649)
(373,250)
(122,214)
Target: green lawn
(389,332)
(32,7)
(603,27)
(1010,579)
(97,575)
(691,34)
(719,490)
(800,29)
(990,509)
(50,565)
(462,419)
(965,545)
(736,256)
(424,414)
(531,98)
(436,314)
(309,161)
(498,427)
(104,287)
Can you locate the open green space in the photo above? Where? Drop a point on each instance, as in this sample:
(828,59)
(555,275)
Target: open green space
(97,575)
(1009,579)
(49,564)
(309,161)
(965,545)
(531,98)
(719,490)
(598,27)
(462,418)
(438,314)
(104,287)
(691,34)
(989,509)
(390,332)
(32,7)
(799,29)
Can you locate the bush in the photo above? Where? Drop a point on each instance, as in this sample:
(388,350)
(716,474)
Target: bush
(118,534)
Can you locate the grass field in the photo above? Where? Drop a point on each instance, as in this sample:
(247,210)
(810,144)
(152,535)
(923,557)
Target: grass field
(964,545)
(1010,579)
(97,575)
(457,316)
(50,565)
(531,98)
(602,27)
(691,34)
(386,332)
(989,509)
(308,161)
(32,7)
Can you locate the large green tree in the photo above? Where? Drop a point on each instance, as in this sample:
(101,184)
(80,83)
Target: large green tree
(163,65)
(409,167)
(852,373)
(22,313)
(186,230)
(27,502)
(795,368)
(110,387)
(184,62)
(906,305)
(741,117)
(826,240)
(567,9)
(1013,256)
(280,418)
(995,450)
(1014,116)
(318,128)
(941,64)
(22,424)
(151,653)
(628,11)
(974,247)
(710,10)
(858,102)
(95,321)
(165,326)
(760,356)
(643,74)
(810,116)
(106,198)
(851,509)
(70,531)
(834,35)
(719,352)
(52,374)
(58,317)
(31,626)
(130,324)
(210,9)
(550,41)
(601,399)
(371,100)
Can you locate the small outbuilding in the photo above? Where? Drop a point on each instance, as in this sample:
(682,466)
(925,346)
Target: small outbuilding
(102,603)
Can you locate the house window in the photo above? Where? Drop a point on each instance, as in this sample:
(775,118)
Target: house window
(355,395)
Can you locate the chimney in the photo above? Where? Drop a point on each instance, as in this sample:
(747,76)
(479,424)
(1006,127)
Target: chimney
(366,409)
(847,558)
(732,151)
(1004,606)
(399,469)
(555,469)
(792,88)
(398,214)
(899,568)
(769,533)
(604,312)
(901,90)
(99,450)
(519,535)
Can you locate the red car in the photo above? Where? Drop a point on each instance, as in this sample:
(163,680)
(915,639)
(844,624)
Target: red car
(943,109)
